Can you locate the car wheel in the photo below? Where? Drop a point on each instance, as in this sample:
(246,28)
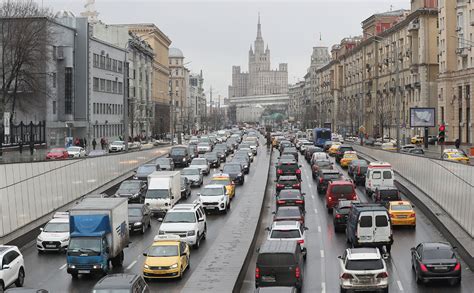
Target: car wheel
(419,280)
(385,290)
(342,290)
(21,278)
(389,248)
(198,242)
(454,282)
(74,275)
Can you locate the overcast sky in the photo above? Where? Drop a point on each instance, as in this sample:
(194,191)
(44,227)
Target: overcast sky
(214,35)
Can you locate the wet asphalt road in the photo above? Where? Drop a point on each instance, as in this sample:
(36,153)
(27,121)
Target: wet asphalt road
(48,270)
(324,245)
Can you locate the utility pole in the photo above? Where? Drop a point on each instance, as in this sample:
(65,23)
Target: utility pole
(210,106)
(397,92)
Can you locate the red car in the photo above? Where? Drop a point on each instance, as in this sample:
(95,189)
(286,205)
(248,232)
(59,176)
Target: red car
(57,154)
(339,190)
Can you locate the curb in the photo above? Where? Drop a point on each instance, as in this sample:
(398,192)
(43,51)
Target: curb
(248,257)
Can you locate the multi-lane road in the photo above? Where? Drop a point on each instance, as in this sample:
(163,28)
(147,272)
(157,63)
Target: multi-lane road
(324,245)
(48,270)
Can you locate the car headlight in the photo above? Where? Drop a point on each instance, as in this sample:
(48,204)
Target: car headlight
(146,266)
(161,232)
(174,266)
(39,238)
(240,174)
(137,224)
(65,239)
(245,166)
(97,266)
(222,198)
(191,233)
(184,159)
(71,266)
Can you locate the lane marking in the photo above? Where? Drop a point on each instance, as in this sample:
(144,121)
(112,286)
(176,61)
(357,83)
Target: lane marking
(323,287)
(322,253)
(316,211)
(312,196)
(63,267)
(319,229)
(310,186)
(400,285)
(131,265)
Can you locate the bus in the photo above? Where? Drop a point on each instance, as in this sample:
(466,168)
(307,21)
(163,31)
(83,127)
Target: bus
(320,136)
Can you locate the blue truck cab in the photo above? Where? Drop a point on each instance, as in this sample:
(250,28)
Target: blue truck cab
(320,136)
(99,234)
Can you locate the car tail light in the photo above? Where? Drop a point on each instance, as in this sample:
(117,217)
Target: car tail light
(330,198)
(257,273)
(297,272)
(296,185)
(298,171)
(321,180)
(299,202)
(412,215)
(301,220)
(382,275)
(300,241)
(280,185)
(354,197)
(338,216)
(423,268)
(280,171)
(457,267)
(347,276)
(392,216)
(281,201)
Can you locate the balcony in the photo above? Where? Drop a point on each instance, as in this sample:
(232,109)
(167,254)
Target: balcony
(463,52)
(414,25)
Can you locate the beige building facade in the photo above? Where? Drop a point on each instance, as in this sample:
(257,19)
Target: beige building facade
(456,78)
(179,77)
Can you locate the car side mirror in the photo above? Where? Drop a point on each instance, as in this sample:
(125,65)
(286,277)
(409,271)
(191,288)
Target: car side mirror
(273,213)
(41,229)
(198,194)
(267,229)
(201,220)
(6,267)
(300,166)
(172,197)
(339,257)
(412,249)
(306,228)
(303,194)
(145,254)
(107,250)
(257,250)
(385,256)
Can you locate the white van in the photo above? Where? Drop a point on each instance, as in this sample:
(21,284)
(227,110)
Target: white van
(164,191)
(379,174)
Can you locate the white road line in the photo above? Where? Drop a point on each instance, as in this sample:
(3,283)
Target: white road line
(322,253)
(319,229)
(63,267)
(323,287)
(131,265)
(310,186)
(315,211)
(312,196)
(400,285)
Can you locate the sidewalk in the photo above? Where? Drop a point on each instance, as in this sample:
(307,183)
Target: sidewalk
(14,156)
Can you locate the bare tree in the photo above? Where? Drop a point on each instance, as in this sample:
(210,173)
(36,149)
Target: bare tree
(24,37)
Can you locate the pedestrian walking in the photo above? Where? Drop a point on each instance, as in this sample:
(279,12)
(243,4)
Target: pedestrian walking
(102,143)
(85,142)
(457,143)
(94,143)
(20,146)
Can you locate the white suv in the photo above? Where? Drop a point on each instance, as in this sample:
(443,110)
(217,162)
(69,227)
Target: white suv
(214,197)
(12,268)
(363,269)
(288,230)
(187,221)
(55,234)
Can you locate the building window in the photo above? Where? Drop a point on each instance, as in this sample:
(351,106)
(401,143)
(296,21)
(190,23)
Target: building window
(108,63)
(54,107)
(54,77)
(68,90)
(102,85)
(102,62)
(114,87)
(119,67)
(109,86)
(94,108)
(120,87)
(96,84)
(114,65)
(96,60)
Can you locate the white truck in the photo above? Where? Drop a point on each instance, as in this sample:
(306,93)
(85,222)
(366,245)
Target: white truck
(164,191)
(99,234)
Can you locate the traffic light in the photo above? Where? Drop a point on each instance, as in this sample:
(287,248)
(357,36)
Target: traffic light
(441,133)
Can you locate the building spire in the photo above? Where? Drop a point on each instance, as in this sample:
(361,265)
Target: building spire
(259,28)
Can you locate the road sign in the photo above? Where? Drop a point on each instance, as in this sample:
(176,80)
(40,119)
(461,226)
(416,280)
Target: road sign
(6,123)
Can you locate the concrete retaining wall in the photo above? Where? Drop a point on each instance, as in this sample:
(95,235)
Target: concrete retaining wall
(451,185)
(28,191)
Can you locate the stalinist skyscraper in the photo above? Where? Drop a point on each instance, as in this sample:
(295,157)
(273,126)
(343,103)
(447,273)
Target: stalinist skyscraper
(261,79)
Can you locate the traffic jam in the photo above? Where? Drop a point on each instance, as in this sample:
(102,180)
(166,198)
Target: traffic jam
(369,227)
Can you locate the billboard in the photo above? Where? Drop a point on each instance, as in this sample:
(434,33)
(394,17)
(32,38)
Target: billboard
(422,117)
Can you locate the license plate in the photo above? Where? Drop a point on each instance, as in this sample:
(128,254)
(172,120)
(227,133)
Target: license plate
(402,217)
(269,279)
(84,271)
(50,246)
(443,268)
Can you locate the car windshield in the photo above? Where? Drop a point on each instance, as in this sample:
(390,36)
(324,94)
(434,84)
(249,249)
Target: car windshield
(401,207)
(157,193)
(231,168)
(364,264)
(282,212)
(203,144)
(389,193)
(146,169)
(288,166)
(323,163)
(222,182)
(118,143)
(329,176)
(56,227)
(199,162)
(276,260)
(289,193)
(190,171)
(342,189)
(442,253)
(212,192)
(84,244)
(163,251)
(180,217)
(129,186)
(134,212)
(285,234)
(178,152)
(288,181)
(211,156)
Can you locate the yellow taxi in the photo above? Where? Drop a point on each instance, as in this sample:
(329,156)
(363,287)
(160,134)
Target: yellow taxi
(455,156)
(334,147)
(388,146)
(167,257)
(224,180)
(416,140)
(348,157)
(402,213)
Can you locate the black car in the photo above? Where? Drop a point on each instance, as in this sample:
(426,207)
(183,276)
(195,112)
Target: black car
(180,156)
(134,190)
(287,213)
(340,214)
(185,188)
(213,159)
(308,153)
(244,162)
(276,289)
(340,152)
(290,197)
(144,170)
(324,177)
(327,145)
(435,261)
(322,164)
(235,171)
(287,167)
(126,283)
(417,151)
(139,218)
(193,151)
(385,194)
(291,150)
(287,182)
(220,154)
(357,170)
(166,164)
(284,144)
